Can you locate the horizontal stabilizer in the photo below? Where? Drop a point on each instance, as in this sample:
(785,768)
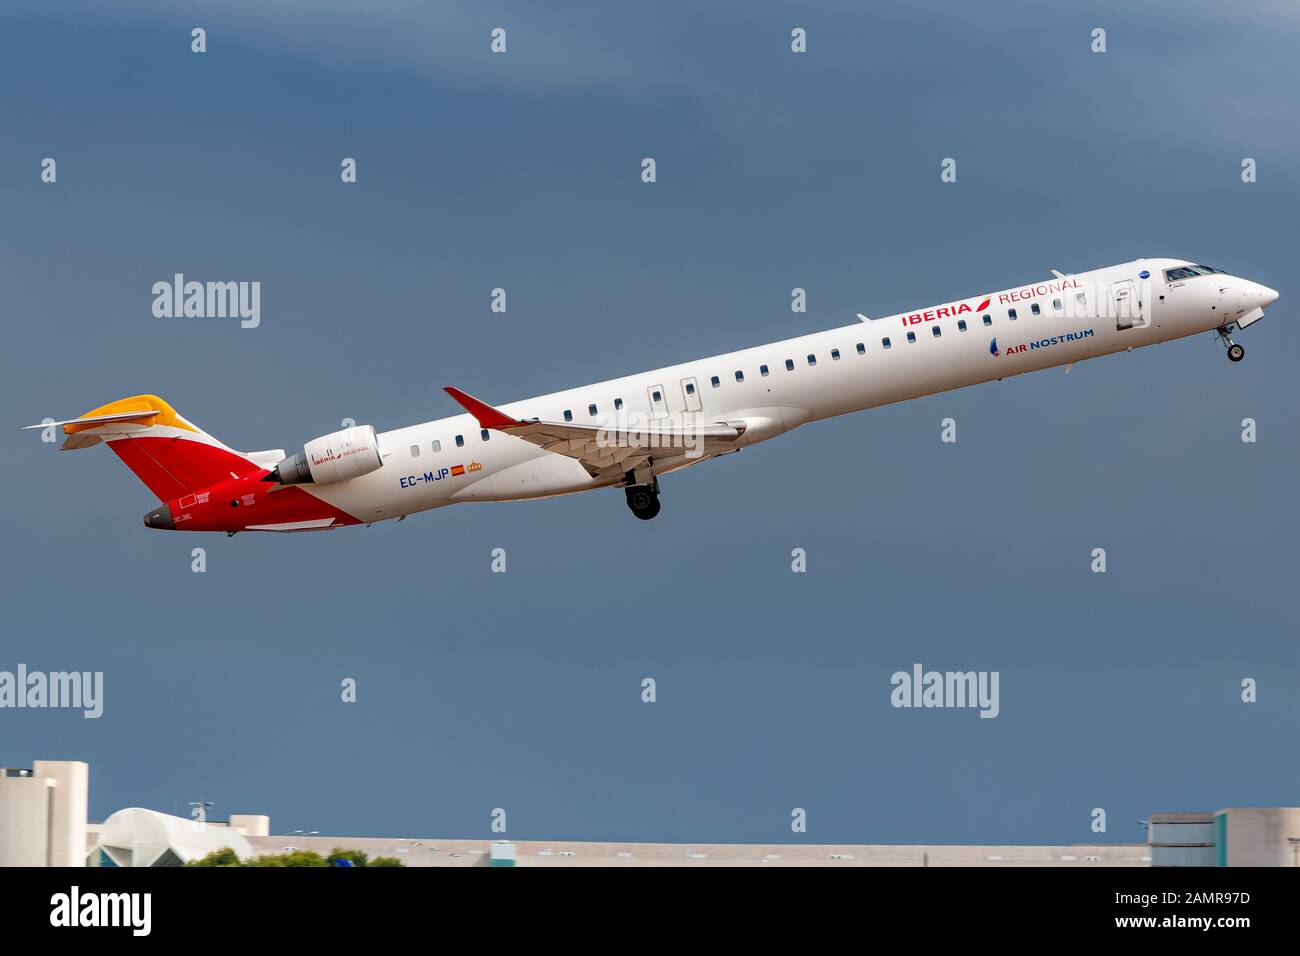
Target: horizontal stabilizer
(139,417)
(171,455)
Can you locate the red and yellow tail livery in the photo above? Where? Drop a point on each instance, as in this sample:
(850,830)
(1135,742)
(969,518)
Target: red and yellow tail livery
(201,481)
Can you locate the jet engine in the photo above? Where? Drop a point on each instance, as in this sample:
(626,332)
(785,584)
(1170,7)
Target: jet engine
(337,456)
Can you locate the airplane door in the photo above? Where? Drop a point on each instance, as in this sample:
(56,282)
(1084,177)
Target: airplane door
(658,401)
(691,395)
(1126,304)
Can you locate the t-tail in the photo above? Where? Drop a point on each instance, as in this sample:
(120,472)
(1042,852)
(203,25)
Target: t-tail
(171,455)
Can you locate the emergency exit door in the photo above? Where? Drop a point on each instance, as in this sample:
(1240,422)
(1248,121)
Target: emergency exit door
(1126,305)
(691,395)
(658,401)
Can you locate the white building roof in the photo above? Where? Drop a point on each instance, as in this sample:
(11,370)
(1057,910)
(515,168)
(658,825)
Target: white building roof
(139,837)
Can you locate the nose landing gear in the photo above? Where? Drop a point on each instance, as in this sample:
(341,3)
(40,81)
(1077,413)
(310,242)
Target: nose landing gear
(644,499)
(1235,352)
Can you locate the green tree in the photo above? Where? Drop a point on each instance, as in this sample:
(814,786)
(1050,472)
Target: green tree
(228,857)
(292,858)
(222,857)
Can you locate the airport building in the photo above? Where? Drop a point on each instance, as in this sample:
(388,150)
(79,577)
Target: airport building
(43,814)
(1238,836)
(43,822)
(138,837)
(1182,839)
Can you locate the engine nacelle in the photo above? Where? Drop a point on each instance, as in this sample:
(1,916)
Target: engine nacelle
(335,457)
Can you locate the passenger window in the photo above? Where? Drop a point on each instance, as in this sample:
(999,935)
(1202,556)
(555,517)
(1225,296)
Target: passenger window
(740,376)
(568,416)
(415,451)
(690,388)
(1056,304)
(1081,300)
(658,396)
(1011,314)
(483,433)
(789,365)
(885,341)
(862,349)
(812,360)
(460,441)
(988,319)
(835,355)
(911,336)
(762,370)
(937,331)
(715,381)
(1035,309)
(618,404)
(591,409)
(437,447)
(961,325)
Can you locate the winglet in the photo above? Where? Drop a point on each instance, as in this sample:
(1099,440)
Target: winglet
(488,417)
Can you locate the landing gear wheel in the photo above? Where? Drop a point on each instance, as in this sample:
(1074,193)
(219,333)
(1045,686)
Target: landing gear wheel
(1235,352)
(643,500)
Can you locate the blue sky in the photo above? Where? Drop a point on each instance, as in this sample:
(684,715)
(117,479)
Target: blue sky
(521,170)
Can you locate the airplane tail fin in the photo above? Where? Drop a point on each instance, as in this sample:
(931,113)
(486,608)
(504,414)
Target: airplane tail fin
(172,456)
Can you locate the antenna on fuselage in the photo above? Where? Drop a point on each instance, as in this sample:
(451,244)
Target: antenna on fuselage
(863,317)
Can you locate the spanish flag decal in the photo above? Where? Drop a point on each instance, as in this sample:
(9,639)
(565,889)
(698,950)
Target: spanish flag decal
(457,470)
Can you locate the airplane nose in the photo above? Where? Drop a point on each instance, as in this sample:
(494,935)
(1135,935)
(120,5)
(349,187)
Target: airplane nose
(160,518)
(1267,296)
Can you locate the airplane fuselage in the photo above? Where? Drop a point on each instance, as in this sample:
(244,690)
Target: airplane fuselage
(769,388)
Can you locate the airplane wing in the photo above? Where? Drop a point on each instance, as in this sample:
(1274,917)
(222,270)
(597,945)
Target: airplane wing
(605,449)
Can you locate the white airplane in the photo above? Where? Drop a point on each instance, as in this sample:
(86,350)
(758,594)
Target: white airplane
(628,431)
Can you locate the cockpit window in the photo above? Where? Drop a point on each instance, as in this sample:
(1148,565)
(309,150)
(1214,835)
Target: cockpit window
(1188,272)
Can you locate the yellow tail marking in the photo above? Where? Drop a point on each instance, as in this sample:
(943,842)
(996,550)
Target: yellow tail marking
(166,415)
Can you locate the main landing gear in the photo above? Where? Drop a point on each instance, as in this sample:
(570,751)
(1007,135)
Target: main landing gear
(644,499)
(1235,352)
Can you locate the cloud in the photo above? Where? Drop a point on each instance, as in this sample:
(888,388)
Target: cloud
(553,45)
